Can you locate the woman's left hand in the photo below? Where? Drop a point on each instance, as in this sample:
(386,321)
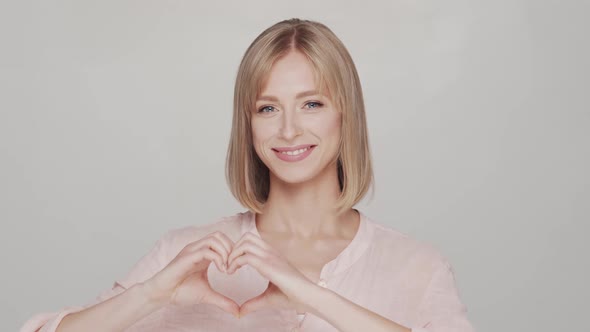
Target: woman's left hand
(287,285)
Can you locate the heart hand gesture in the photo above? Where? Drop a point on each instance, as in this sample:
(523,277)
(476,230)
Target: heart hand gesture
(286,284)
(184,280)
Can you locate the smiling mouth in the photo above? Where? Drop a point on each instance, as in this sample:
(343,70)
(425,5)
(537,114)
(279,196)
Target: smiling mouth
(293,151)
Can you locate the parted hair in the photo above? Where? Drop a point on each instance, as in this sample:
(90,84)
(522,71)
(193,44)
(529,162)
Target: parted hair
(247,176)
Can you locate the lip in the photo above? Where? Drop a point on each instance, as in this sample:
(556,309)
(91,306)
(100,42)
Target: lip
(288,158)
(294,148)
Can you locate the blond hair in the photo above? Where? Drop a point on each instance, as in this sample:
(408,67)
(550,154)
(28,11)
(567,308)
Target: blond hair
(247,176)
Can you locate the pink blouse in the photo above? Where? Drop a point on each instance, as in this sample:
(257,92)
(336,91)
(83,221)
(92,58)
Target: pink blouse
(381,269)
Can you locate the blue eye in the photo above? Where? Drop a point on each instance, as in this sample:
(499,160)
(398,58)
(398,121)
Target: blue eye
(266,109)
(313,104)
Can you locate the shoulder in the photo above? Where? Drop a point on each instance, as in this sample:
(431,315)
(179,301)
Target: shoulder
(403,249)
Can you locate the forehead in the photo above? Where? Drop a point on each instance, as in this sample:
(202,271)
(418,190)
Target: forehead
(289,75)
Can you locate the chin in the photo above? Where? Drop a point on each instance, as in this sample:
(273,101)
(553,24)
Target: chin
(293,179)
(295,176)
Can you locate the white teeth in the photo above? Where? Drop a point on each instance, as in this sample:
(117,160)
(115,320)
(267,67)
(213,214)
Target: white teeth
(296,152)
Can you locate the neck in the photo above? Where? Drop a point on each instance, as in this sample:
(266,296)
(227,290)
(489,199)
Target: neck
(306,210)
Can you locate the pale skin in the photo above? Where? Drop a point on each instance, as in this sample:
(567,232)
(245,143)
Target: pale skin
(294,243)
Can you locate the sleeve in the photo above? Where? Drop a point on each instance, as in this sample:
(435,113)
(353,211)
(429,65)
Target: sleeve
(144,269)
(441,309)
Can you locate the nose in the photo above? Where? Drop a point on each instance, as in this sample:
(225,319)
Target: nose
(290,125)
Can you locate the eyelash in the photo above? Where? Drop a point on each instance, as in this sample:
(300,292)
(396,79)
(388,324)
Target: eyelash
(261,110)
(318,105)
(315,102)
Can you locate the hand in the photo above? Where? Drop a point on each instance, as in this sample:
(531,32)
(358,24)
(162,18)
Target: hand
(184,280)
(287,284)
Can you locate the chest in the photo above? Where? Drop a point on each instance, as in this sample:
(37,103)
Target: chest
(309,256)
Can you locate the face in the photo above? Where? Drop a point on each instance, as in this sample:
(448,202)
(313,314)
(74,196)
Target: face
(295,130)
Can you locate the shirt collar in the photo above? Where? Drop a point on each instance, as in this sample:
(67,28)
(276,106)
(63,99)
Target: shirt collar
(351,253)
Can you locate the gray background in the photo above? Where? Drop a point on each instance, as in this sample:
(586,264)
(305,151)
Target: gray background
(115,116)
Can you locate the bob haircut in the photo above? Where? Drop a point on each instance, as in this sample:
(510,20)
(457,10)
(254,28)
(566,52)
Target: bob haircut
(247,176)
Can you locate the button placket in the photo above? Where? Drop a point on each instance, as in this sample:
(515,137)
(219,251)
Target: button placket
(322,283)
(300,321)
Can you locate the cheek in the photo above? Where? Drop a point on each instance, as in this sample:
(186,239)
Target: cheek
(330,127)
(260,135)
(257,133)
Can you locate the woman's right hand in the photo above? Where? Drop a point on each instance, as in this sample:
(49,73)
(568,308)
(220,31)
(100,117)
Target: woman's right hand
(184,280)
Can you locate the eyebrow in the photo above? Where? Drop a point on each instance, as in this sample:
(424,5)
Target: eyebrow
(298,96)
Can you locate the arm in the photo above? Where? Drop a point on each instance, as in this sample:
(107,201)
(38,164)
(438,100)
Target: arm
(122,310)
(153,283)
(146,267)
(126,303)
(289,288)
(346,315)
(440,310)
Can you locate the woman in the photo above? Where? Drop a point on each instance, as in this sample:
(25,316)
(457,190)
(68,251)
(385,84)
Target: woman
(301,258)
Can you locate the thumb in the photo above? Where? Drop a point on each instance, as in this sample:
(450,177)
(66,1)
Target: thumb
(223,302)
(254,304)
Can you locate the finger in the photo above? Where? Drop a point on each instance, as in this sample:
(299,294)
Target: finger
(218,246)
(254,304)
(213,256)
(215,237)
(228,244)
(246,246)
(245,237)
(256,239)
(246,258)
(215,244)
(222,302)
(252,242)
(193,262)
